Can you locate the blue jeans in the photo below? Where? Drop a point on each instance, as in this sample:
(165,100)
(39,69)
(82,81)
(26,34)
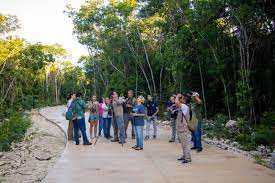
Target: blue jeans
(100,125)
(107,126)
(148,124)
(196,136)
(80,124)
(139,135)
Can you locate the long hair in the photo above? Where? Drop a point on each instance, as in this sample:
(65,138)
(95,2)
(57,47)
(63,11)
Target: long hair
(69,96)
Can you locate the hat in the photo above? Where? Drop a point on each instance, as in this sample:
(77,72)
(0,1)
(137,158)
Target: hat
(195,94)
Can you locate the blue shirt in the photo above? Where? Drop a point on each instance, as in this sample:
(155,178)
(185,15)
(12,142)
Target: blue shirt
(151,108)
(138,120)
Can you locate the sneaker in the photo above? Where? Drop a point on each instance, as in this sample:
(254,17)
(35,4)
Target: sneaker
(181,159)
(122,142)
(186,161)
(70,139)
(154,136)
(134,147)
(172,140)
(138,148)
(87,144)
(114,140)
(77,143)
(146,138)
(199,150)
(193,148)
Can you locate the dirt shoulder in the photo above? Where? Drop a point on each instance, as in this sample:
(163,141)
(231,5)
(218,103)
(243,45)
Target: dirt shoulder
(31,159)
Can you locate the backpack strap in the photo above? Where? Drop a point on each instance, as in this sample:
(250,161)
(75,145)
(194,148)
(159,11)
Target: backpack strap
(183,116)
(80,106)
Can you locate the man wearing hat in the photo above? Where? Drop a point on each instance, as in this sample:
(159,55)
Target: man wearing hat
(197,108)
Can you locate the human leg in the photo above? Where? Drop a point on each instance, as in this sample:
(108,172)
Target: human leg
(155,121)
(81,123)
(115,127)
(70,130)
(75,128)
(121,128)
(148,124)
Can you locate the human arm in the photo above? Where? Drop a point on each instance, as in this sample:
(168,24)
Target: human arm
(177,100)
(140,112)
(198,100)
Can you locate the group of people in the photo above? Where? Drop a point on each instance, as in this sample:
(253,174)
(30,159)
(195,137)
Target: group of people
(118,112)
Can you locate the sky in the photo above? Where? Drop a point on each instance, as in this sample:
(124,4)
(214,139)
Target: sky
(44,21)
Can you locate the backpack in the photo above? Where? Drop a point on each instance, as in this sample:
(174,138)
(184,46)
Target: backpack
(69,114)
(192,123)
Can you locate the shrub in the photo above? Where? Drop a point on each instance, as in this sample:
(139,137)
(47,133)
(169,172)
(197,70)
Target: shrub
(12,130)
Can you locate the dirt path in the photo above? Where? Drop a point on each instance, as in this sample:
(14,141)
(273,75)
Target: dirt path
(30,160)
(110,162)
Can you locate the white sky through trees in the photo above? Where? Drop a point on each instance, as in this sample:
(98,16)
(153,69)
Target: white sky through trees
(44,21)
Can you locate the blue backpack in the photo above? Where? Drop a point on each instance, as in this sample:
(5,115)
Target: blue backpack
(70,112)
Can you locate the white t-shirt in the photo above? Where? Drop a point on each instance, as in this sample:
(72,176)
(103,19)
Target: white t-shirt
(185,109)
(105,110)
(69,104)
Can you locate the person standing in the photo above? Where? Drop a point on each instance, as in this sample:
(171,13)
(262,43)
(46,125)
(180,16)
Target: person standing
(182,127)
(196,106)
(173,112)
(118,122)
(138,119)
(79,111)
(70,104)
(107,117)
(127,109)
(152,115)
(100,121)
(94,116)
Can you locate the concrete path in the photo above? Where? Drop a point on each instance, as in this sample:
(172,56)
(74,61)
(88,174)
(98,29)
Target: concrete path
(110,162)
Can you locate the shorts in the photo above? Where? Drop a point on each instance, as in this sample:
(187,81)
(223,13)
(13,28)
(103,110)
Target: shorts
(93,117)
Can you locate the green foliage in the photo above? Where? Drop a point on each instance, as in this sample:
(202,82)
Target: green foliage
(12,130)
(31,76)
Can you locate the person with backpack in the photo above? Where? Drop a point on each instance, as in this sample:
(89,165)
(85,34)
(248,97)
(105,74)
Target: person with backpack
(196,106)
(182,127)
(152,115)
(173,112)
(107,117)
(79,111)
(71,97)
(94,116)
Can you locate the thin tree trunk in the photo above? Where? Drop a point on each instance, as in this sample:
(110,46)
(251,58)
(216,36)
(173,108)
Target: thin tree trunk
(202,88)
(160,83)
(140,66)
(136,90)
(148,62)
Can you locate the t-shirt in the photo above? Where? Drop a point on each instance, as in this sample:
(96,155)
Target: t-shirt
(181,123)
(100,110)
(79,108)
(138,120)
(69,104)
(174,111)
(94,107)
(129,101)
(151,107)
(106,111)
(197,108)
(117,107)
